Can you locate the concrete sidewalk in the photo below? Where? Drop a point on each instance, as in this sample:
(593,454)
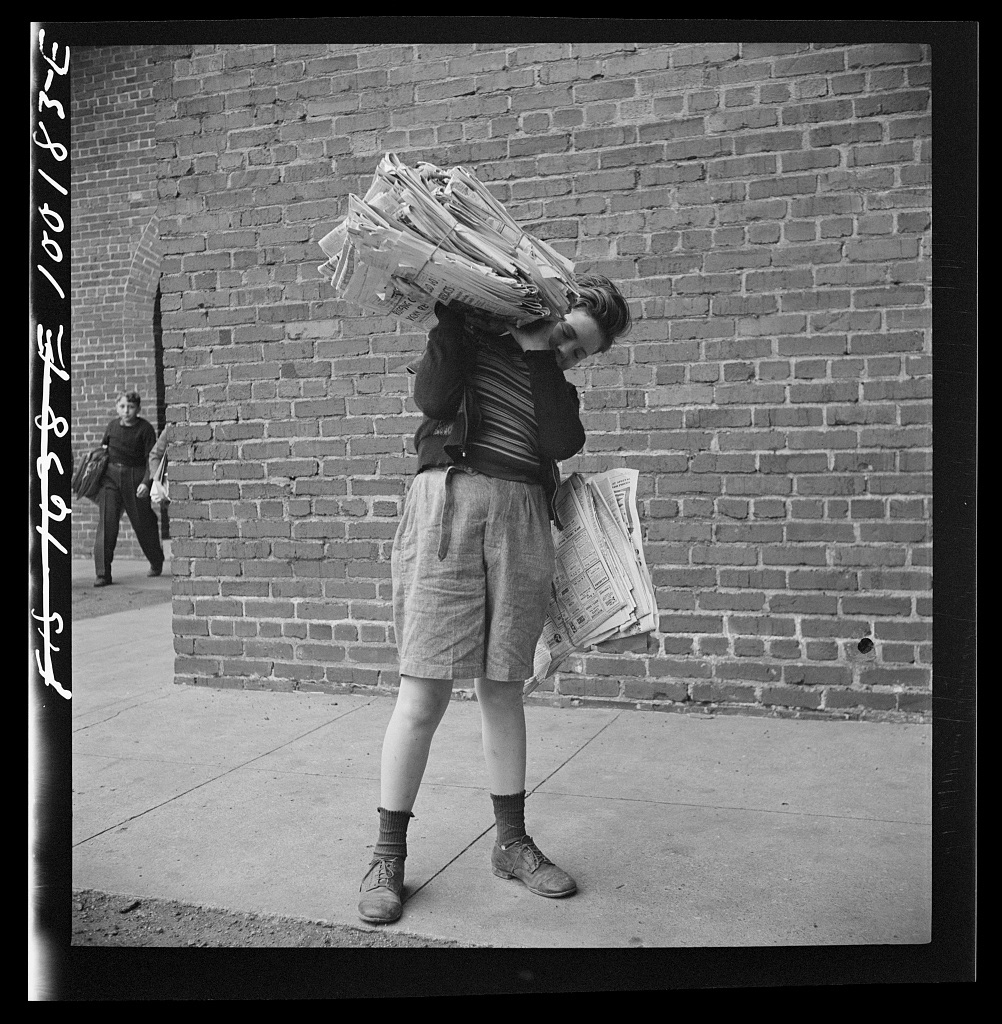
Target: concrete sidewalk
(681,830)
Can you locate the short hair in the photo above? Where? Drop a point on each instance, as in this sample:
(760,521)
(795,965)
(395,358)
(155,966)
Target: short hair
(132,396)
(598,296)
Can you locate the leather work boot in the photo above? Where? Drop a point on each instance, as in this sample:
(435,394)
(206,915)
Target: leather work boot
(382,888)
(524,861)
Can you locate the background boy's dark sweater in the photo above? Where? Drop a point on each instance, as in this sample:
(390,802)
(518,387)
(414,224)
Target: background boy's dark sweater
(130,446)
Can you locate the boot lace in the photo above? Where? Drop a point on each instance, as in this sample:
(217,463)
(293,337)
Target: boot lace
(381,874)
(532,853)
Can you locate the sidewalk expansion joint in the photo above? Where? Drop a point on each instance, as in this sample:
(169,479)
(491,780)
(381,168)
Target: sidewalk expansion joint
(733,807)
(120,711)
(572,755)
(216,778)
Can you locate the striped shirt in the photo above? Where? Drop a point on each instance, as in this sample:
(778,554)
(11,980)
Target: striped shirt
(505,443)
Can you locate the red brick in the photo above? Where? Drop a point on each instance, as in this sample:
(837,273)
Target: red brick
(673,667)
(636,689)
(747,671)
(791,697)
(860,698)
(881,676)
(719,693)
(914,702)
(582,686)
(817,675)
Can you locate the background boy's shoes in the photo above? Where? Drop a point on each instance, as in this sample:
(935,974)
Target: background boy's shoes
(102,581)
(382,888)
(524,860)
(154,571)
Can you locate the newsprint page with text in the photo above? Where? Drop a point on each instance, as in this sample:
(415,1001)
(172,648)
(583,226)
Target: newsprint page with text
(602,588)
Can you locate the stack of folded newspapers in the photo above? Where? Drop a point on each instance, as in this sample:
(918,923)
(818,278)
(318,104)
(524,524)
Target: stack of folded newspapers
(423,235)
(602,588)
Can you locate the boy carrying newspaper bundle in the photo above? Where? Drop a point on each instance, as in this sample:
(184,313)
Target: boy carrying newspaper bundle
(473,557)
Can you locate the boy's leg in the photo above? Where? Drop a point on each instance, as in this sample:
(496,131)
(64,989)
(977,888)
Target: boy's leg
(109,503)
(143,518)
(514,855)
(502,717)
(420,705)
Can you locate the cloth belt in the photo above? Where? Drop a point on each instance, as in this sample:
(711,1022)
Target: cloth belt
(448,507)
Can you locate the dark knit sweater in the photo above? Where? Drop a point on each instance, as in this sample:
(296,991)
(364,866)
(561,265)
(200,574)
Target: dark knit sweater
(130,446)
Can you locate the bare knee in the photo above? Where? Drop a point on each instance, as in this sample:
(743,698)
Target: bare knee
(421,703)
(502,696)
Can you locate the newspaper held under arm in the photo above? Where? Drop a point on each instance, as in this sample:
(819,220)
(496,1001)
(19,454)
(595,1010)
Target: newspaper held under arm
(425,235)
(602,588)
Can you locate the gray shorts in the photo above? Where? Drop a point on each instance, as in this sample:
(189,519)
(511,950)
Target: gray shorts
(472,567)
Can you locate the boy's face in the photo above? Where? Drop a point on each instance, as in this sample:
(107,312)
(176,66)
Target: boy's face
(575,338)
(127,411)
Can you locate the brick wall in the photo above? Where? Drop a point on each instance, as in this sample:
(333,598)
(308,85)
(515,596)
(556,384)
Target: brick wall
(115,258)
(766,209)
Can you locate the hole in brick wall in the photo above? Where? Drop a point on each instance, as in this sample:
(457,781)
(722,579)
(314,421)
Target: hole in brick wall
(865,645)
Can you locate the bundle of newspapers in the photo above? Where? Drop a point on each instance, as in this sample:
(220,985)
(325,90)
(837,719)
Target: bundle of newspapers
(423,235)
(602,589)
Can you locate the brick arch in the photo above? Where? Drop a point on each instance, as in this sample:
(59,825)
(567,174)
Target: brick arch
(127,351)
(136,368)
(117,251)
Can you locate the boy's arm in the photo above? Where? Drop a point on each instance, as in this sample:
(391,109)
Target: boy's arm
(149,440)
(441,375)
(561,434)
(157,452)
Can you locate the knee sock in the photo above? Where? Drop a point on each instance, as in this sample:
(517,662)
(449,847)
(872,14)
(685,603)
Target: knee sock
(509,813)
(392,841)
